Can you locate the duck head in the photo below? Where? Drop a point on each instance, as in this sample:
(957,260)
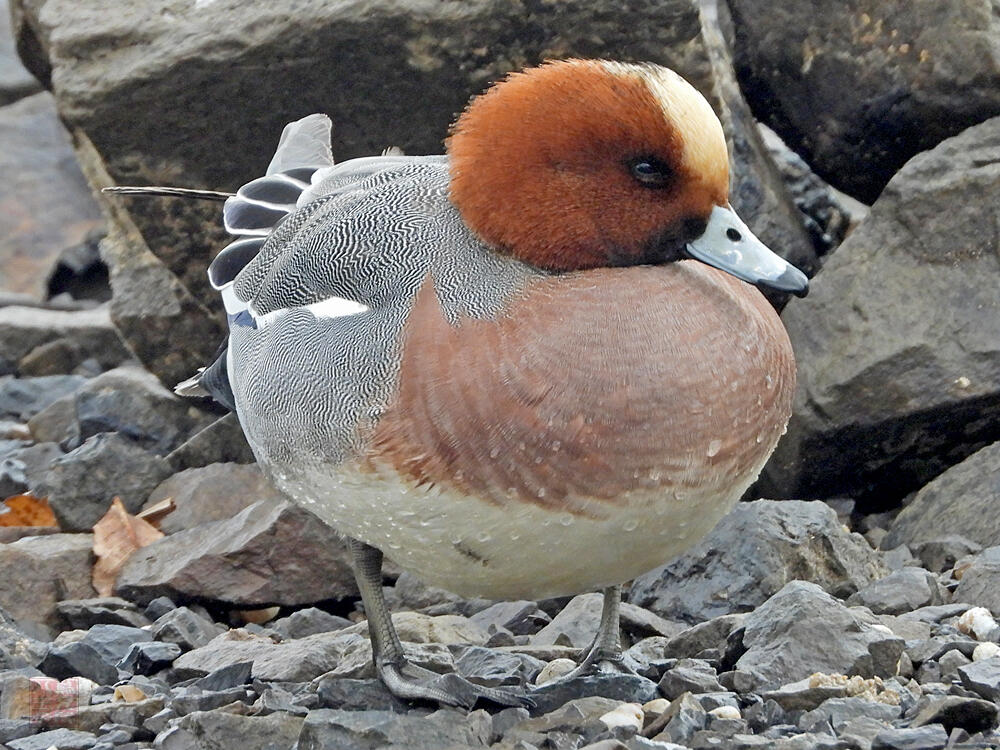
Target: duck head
(583,164)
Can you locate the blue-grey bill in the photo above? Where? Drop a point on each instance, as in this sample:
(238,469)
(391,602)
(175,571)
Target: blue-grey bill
(729,245)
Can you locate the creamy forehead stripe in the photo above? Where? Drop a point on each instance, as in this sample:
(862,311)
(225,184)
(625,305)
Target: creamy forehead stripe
(687,110)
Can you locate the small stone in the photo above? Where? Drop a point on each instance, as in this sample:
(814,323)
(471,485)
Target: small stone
(935,614)
(159,607)
(899,558)
(941,553)
(689,675)
(625,715)
(977,622)
(805,694)
(986,651)
(229,676)
(900,591)
(839,711)
(206,700)
(104,610)
(309,621)
(575,625)
(519,617)
(726,712)
(933,737)
(683,718)
(554,670)
(149,658)
(983,678)
(950,661)
(971,714)
(357,695)
(78,659)
(219,729)
(710,635)
(332,728)
(979,582)
(618,687)
(185,628)
(63,739)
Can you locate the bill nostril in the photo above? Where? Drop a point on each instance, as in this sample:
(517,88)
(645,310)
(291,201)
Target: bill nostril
(734,235)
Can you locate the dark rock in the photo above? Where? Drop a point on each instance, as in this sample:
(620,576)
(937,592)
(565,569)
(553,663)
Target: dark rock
(221,442)
(22,466)
(333,728)
(131,401)
(934,648)
(309,621)
(751,554)
(78,659)
(256,558)
(113,642)
(960,501)
(159,607)
(57,423)
(519,617)
(80,485)
(619,687)
(857,94)
(900,591)
(212,493)
(49,569)
(710,635)
(64,739)
(226,677)
(357,695)
(937,613)
(15,729)
(837,712)
(980,584)
(851,434)
(983,678)
(206,700)
(185,628)
(86,334)
(495,668)
(218,729)
(37,162)
(575,625)
(689,675)
(24,397)
(971,714)
(805,694)
(15,81)
(950,661)
(149,658)
(104,610)
(802,630)
(17,649)
(684,717)
(941,553)
(828,214)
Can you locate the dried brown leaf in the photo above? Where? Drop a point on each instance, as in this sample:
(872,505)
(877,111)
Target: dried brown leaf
(116,536)
(26,510)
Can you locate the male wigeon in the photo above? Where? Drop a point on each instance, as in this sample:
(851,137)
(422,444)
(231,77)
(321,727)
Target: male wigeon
(535,366)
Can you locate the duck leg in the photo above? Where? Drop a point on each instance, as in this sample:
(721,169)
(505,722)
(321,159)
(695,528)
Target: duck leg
(605,653)
(405,680)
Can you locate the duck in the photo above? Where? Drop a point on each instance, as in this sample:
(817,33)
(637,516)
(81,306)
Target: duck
(535,366)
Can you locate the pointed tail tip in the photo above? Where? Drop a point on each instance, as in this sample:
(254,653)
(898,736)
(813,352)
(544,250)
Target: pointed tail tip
(192,387)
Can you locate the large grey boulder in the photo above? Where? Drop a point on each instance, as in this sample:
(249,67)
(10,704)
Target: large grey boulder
(802,630)
(269,553)
(898,364)
(751,554)
(963,500)
(41,571)
(858,87)
(47,206)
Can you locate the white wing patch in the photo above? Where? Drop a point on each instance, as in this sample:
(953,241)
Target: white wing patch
(333,307)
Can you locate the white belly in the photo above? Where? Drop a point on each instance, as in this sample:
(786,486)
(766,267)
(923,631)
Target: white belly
(517,550)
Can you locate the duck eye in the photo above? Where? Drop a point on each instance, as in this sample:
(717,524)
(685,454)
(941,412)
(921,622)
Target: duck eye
(650,172)
(733,234)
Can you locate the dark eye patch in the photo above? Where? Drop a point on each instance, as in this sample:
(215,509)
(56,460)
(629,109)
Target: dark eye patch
(650,171)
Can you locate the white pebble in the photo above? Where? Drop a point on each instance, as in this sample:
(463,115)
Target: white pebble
(554,670)
(985,651)
(624,715)
(978,622)
(726,712)
(656,706)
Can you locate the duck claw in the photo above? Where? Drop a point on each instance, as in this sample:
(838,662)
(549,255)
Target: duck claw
(411,682)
